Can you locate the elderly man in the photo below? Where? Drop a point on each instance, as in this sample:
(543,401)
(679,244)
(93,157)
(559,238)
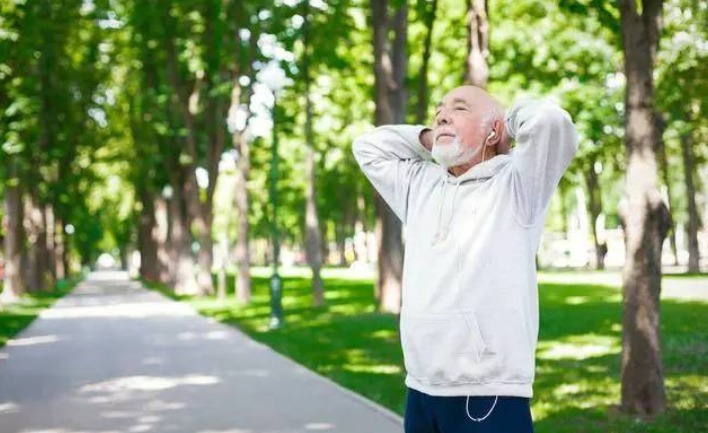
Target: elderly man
(473,213)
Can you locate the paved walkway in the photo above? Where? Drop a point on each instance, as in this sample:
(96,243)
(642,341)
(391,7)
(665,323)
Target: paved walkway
(114,357)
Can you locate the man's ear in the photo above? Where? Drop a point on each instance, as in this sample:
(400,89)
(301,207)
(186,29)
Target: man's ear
(495,134)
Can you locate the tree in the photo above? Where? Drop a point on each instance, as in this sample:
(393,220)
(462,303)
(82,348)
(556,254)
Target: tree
(429,13)
(646,218)
(682,84)
(390,94)
(240,143)
(313,238)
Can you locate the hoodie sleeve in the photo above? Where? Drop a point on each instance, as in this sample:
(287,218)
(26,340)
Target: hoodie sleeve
(546,142)
(391,157)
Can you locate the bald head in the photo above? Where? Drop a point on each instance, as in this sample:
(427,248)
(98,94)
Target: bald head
(472,119)
(474,95)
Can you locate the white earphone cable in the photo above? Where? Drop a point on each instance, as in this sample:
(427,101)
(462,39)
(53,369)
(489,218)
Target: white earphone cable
(467,409)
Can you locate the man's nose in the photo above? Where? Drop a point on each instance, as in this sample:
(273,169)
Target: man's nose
(443,118)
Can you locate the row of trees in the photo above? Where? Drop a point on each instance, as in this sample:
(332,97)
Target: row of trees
(52,75)
(118,118)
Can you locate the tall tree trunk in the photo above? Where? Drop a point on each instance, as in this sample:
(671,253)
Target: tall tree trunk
(693,252)
(340,238)
(215,121)
(423,99)
(477,70)
(241,199)
(36,241)
(645,216)
(239,141)
(62,270)
(595,209)
(390,106)
(565,212)
(13,283)
(664,167)
(51,247)
(161,235)
(360,243)
(149,268)
(313,240)
(183,105)
(182,265)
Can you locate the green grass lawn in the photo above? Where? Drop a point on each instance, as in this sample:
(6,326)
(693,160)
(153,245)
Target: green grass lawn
(17,316)
(577,378)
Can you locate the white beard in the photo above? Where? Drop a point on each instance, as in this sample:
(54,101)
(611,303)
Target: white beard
(453,154)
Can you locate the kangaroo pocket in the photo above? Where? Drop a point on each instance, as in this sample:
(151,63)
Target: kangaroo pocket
(445,348)
(508,332)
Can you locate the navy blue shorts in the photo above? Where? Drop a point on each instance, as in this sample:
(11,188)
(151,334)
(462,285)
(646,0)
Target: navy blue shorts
(430,414)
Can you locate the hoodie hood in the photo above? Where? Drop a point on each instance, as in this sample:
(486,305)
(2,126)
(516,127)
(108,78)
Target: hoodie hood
(479,172)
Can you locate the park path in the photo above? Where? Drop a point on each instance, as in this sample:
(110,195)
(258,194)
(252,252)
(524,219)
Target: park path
(114,357)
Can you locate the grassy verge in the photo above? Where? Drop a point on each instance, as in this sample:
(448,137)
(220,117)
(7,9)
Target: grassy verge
(578,359)
(17,316)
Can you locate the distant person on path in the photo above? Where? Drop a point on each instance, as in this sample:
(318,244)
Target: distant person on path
(473,210)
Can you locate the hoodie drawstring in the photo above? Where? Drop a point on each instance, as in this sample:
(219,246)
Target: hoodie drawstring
(442,230)
(440,211)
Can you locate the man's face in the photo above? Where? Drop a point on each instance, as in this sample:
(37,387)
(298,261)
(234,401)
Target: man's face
(466,114)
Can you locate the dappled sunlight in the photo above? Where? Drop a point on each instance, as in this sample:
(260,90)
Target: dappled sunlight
(688,391)
(579,347)
(319,426)
(9,407)
(124,310)
(31,341)
(378,369)
(144,383)
(231,430)
(577,300)
(212,335)
(385,334)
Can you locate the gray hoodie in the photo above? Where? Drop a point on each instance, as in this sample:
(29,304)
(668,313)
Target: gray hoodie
(469,319)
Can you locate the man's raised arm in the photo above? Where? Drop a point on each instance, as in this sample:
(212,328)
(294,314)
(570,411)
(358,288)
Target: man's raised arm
(391,156)
(546,141)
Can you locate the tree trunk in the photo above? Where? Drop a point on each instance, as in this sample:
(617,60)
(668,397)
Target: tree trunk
(239,141)
(646,218)
(181,103)
(182,264)
(149,268)
(36,242)
(477,70)
(340,239)
(215,121)
(50,259)
(313,240)
(390,95)
(221,281)
(61,267)
(13,284)
(422,108)
(667,182)
(565,213)
(161,235)
(361,250)
(595,209)
(693,252)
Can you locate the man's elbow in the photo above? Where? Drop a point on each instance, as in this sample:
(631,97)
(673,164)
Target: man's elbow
(561,124)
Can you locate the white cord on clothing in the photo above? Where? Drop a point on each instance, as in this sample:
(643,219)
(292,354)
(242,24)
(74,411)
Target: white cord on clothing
(467,408)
